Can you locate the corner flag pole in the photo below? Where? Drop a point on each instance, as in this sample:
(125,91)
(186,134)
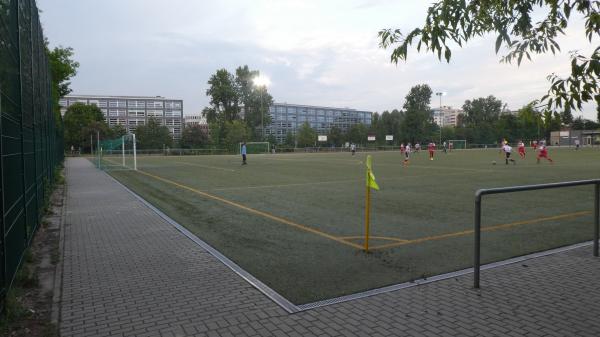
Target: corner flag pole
(371,183)
(367,211)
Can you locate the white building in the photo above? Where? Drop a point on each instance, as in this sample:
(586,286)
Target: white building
(131,111)
(190,120)
(447,116)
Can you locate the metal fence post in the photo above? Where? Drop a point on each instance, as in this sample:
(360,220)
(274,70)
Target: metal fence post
(477,243)
(596,217)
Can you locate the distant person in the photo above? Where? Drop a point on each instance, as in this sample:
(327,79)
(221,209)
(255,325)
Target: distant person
(244,153)
(543,153)
(445,148)
(406,155)
(417,147)
(353,148)
(402,148)
(431,148)
(450,146)
(577,144)
(521,149)
(507,152)
(534,145)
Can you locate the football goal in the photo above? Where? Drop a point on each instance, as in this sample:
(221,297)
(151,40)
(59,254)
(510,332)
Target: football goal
(118,154)
(256,147)
(457,144)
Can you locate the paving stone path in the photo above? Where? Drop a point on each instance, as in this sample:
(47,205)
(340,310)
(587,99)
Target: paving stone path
(128,272)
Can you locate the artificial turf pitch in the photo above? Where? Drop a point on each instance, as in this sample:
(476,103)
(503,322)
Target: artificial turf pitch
(296,221)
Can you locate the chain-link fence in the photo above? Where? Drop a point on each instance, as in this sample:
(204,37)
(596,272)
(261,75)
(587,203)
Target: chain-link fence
(30,143)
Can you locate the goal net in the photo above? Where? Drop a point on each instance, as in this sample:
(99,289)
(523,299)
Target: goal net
(118,154)
(457,144)
(256,147)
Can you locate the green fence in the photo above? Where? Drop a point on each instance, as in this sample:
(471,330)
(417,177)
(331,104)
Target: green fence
(30,144)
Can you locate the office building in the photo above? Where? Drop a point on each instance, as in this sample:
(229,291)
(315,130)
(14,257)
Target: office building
(290,117)
(131,111)
(447,116)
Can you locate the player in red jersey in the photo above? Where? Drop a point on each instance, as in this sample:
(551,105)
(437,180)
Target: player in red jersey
(534,145)
(521,149)
(431,148)
(543,153)
(402,148)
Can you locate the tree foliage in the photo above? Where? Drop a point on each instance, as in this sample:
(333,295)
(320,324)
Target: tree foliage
(417,124)
(153,135)
(456,22)
(193,137)
(80,122)
(62,69)
(306,136)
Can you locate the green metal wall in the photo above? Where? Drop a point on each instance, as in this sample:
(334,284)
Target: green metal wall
(30,144)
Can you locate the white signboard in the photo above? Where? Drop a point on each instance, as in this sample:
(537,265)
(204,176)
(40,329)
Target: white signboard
(371,138)
(564,133)
(389,137)
(322,138)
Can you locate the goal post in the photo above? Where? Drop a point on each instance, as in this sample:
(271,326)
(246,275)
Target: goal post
(460,144)
(119,153)
(256,147)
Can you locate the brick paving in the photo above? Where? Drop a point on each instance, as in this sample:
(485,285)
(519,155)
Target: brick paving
(128,272)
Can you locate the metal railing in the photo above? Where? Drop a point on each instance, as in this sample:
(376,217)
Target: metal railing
(480,193)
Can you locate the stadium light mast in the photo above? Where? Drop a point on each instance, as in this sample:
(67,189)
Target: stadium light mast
(440,94)
(262,82)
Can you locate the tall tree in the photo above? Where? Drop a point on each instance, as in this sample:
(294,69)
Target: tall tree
(62,69)
(357,134)
(482,111)
(417,125)
(451,23)
(153,135)
(80,122)
(566,116)
(335,136)
(256,100)
(224,97)
(235,133)
(193,137)
(306,136)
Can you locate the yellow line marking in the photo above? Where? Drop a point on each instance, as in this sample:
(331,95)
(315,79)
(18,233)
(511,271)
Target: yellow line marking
(254,211)
(485,229)
(361,237)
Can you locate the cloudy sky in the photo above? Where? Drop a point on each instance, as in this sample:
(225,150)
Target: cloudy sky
(314,51)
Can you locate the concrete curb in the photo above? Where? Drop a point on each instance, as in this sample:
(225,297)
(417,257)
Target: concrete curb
(58,271)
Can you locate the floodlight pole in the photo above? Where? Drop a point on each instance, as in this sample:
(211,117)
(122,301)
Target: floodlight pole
(262,116)
(123,149)
(440,94)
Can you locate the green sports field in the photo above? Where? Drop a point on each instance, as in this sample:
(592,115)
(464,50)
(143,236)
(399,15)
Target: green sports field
(296,221)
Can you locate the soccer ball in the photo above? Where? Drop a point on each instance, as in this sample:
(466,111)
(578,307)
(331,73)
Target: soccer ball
(493,162)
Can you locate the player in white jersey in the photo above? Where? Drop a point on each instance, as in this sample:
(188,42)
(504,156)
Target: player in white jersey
(507,151)
(407,150)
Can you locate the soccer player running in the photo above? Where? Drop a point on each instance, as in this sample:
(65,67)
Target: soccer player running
(402,148)
(507,152)
(244,153)
(521,149)
(431,148)
(543,153)
(353,148)
(406,155)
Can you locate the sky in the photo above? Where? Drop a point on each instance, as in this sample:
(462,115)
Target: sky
(315,52)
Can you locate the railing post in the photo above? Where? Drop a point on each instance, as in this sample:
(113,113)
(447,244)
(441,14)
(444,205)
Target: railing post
(596,217)
(477,243)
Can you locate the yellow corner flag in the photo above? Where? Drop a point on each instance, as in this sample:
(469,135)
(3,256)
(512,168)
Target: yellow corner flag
(370,176)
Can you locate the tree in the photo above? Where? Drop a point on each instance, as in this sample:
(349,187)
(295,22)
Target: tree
(307,136)
(357,134)
(482,111)
(566,116)
(417,124)
(118,131)
(255,100)
(235,133)
(224,97)
(193,137)
(153,135)
(62,69)
(598,112)
(290,140)
(335,136)
(80,122)
(455,22)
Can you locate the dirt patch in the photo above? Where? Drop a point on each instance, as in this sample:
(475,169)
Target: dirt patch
(29,302)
